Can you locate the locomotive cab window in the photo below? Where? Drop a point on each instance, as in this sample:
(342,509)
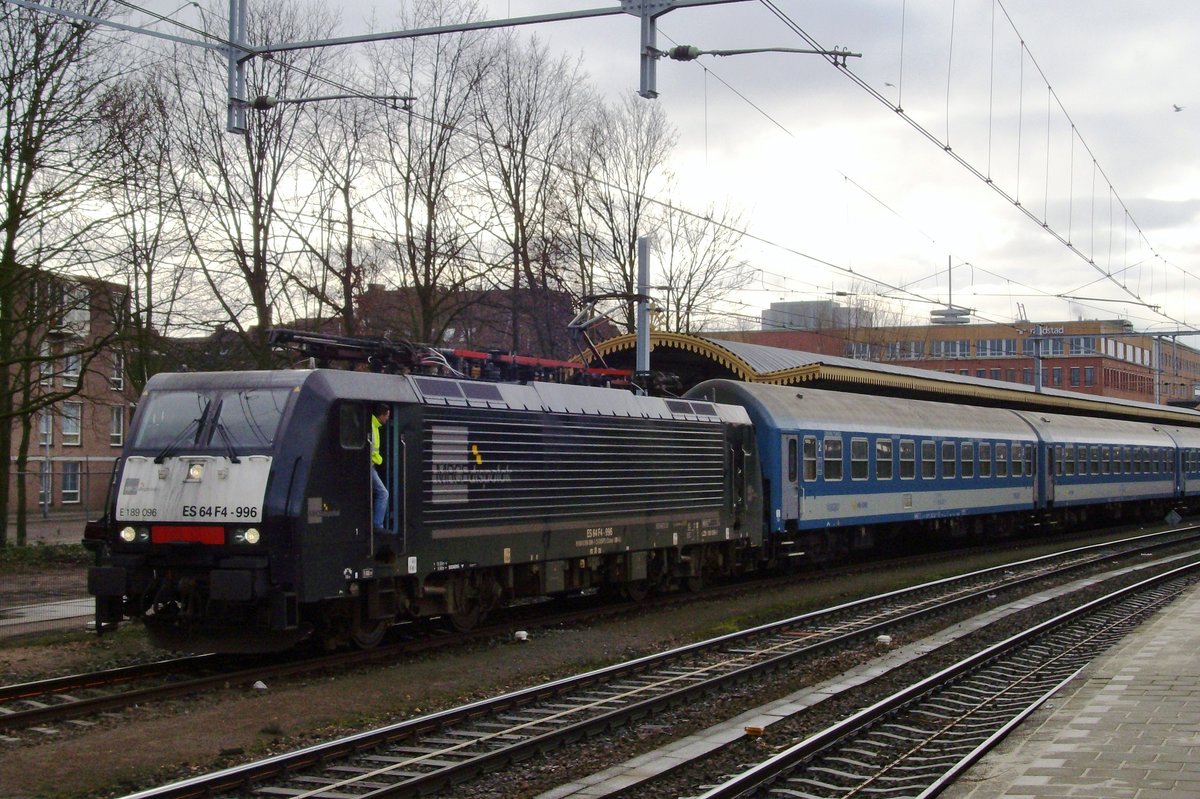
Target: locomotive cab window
(352,432)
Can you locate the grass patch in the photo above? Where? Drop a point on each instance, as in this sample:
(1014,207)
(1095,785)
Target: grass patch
(15,558)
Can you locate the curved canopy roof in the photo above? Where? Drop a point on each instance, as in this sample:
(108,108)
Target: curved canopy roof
(698,358)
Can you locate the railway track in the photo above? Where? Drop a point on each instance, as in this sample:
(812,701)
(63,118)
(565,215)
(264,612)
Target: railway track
(31,711)
(918,740)
(433,752)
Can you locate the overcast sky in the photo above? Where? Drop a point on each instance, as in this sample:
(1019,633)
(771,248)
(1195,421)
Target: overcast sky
(841,194)
(826,171)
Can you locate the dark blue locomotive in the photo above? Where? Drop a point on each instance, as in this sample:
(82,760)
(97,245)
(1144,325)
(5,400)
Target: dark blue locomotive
(239,516)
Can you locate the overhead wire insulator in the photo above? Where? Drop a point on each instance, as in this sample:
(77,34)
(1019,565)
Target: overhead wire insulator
(685,52)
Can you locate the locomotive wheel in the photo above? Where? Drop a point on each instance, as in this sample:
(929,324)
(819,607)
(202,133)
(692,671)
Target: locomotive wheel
(636,591)
(366,633)
(468,619)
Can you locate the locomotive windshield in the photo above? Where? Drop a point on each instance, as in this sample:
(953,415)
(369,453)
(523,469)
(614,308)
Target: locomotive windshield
(229,421)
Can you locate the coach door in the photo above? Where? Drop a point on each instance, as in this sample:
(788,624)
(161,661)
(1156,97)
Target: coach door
(789,478)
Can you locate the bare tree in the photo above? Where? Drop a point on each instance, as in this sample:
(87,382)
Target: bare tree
(700,266)
(426,214)
(52,74)
(628,147)
(530,108)
(233,189)
(145,248)
(326,223)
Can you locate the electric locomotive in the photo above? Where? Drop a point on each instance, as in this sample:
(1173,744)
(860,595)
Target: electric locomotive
(239,517)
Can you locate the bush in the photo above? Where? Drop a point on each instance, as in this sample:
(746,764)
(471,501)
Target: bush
(13,557)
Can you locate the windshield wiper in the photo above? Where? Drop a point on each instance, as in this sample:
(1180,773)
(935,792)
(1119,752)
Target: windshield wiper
(175,442)
(229,450)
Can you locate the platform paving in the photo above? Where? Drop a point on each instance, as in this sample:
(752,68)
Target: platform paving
(1128,727)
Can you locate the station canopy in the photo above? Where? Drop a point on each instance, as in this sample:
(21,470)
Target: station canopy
(694,358)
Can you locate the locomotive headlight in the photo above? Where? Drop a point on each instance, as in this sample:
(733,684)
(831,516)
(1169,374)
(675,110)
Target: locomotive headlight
(195,472)
(250,536)
(128,535)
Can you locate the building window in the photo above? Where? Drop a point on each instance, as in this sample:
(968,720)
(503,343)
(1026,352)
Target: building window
(72,427)
(859,351)
(70,373)
(45,364)
(1089,375)
(1027,376)
(995,374)
(951,348)
(1075,376)
(117,380)
(45,483)
(996,347)
(116,430)
(1083,345)
(1057,376)
(70,482)
(46,428)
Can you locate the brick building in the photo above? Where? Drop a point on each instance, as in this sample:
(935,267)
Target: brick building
(1101,357)
(74,442)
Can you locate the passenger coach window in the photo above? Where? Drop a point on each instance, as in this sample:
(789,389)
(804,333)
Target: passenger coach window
(908,460)
(1030,465)
(928,460)
(1106,460)
(1017,466)
(833,459)
(948,461)
(985,459)
(810,458)
(351,430)
(791,463)
(883,459)
(1094,457)
(1002,460)
(1068,462)
(968,460)
(860,464)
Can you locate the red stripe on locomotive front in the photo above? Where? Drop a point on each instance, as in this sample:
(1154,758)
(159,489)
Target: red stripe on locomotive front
(163,534)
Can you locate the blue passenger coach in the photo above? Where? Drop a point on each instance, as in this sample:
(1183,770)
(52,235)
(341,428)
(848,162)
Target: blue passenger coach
(832,459)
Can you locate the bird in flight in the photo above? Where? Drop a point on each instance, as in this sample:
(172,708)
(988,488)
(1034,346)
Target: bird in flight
(1177,107)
